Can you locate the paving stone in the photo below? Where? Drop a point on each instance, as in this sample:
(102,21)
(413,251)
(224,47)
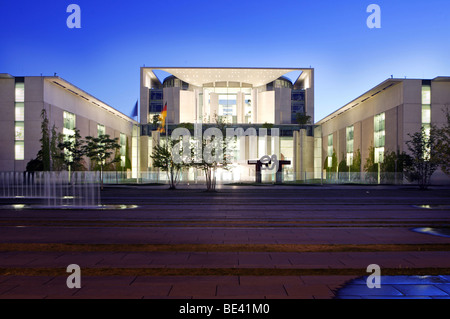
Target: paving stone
(363,290)
(269,280)
(190,289)
(253,291)
(205,260)
(5,288)
(420,290)
(395,297)
(326,280)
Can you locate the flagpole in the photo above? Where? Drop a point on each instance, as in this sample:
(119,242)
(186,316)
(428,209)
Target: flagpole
(138,142)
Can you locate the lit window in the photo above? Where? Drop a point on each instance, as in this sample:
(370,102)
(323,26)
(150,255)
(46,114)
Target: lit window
(349,159)
(350,142)
(19,124)
(69,120)
(20,92)
(19,149)
(426,94)
(330,150)
(100,130)
(123,148)
(426,115)
(19,131)
(20,111)
(379,137)
(69,124)
(379,154)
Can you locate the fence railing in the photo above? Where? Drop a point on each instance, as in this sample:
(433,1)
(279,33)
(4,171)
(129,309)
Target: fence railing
(56,188)
(227,177)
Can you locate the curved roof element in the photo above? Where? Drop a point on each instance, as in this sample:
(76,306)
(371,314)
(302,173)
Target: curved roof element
(200,76)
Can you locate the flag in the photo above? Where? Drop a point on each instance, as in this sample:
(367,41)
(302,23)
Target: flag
(163,119)
(135,110)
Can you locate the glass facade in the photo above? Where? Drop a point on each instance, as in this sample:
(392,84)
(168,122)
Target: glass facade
(297,104)
(227,99)
(228,107)
(248,109)
(156,102)
(350,143)
(172,81)
(279,83)
(379,137)
(19,120)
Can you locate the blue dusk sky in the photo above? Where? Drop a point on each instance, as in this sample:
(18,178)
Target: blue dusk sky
(117,37)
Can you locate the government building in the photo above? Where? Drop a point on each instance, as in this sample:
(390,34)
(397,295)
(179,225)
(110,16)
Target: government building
(269,100)
(241,98)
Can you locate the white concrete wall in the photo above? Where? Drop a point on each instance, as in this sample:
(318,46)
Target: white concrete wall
(361,117)
(88,115)
(187,107)
(7,110)
(240,106)
(254,106)
(172,97)
(440,101)
(412,108)
(33,108)
(41,93)
(282,106)
(213,106)
(266,107)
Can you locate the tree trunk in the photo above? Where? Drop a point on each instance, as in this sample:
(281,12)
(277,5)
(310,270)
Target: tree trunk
(101,177)
(171,180)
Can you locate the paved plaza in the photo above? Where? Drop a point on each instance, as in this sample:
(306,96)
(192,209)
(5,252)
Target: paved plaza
(274,242)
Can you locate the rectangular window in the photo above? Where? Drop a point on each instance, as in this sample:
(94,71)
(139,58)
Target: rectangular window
(69,120)
(19,131)
(123,148)
(379,137)
(20,92)
(426,94)
(426,113)
(19,117)
(156,107)
(20,111)
(69,124)
(350,142)
(100,130)
(19,149)
(330,150)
